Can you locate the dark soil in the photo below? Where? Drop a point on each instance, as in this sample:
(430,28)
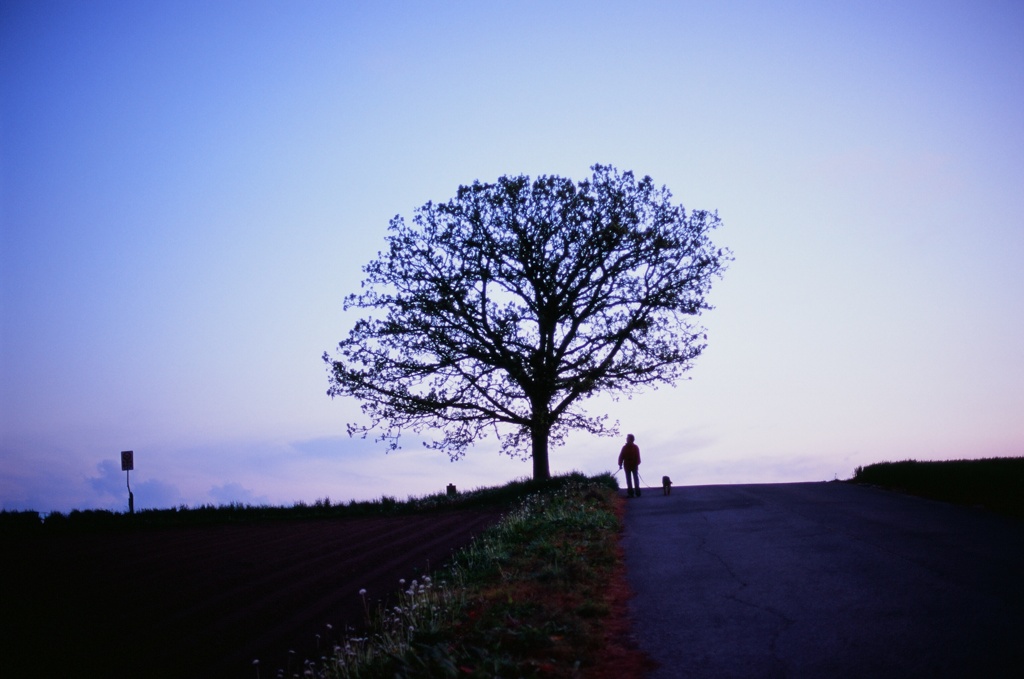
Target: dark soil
(208,601)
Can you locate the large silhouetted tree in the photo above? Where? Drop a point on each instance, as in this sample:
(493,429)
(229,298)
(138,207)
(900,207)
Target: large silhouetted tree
(504,308)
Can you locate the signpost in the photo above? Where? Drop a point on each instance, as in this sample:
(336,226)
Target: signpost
(127,465)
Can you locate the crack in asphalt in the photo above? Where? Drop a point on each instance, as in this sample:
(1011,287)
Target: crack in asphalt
(777,630)
(703,547)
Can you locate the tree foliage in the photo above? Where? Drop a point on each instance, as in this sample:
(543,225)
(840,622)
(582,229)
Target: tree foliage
(505,308)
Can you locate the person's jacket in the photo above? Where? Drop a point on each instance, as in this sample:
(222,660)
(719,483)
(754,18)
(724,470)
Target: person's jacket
(630,456)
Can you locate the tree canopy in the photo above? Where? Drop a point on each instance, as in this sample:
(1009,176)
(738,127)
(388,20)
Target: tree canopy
(503,309)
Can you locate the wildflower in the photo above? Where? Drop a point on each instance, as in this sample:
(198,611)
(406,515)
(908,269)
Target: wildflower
(362,592)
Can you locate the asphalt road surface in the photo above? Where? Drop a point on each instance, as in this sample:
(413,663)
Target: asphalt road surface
(823,580)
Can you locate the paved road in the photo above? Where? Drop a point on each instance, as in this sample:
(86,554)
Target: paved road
(823,580)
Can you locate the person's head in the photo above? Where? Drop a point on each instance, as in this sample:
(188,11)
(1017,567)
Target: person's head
(629,438)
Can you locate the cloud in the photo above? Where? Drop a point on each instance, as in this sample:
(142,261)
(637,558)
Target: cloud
(37,491)
(112,487)
(332,447)
(229,493)
(111,481)
(157,494)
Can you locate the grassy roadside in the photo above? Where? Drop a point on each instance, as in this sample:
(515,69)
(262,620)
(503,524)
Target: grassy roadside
(994,483)
(534,596)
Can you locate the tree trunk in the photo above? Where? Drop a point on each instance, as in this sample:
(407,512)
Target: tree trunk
(541,470)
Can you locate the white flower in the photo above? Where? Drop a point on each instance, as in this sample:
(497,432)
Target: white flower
(362,592)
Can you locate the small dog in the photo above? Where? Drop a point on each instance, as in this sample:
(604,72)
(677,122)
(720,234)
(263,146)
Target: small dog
(666,485)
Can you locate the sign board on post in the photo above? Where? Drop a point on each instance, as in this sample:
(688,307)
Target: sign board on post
(127,465)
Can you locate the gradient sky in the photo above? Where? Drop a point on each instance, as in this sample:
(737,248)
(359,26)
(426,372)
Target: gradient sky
(188,190)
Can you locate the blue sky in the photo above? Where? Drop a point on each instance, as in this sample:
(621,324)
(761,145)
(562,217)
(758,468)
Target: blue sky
(188,190)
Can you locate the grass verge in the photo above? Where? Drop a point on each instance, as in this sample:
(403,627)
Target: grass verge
(994,483)
(531,597)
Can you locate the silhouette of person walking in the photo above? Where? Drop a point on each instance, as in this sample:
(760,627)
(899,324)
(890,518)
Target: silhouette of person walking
(629,459)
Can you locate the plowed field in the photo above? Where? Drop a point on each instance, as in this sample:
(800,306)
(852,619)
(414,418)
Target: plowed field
(207,601)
